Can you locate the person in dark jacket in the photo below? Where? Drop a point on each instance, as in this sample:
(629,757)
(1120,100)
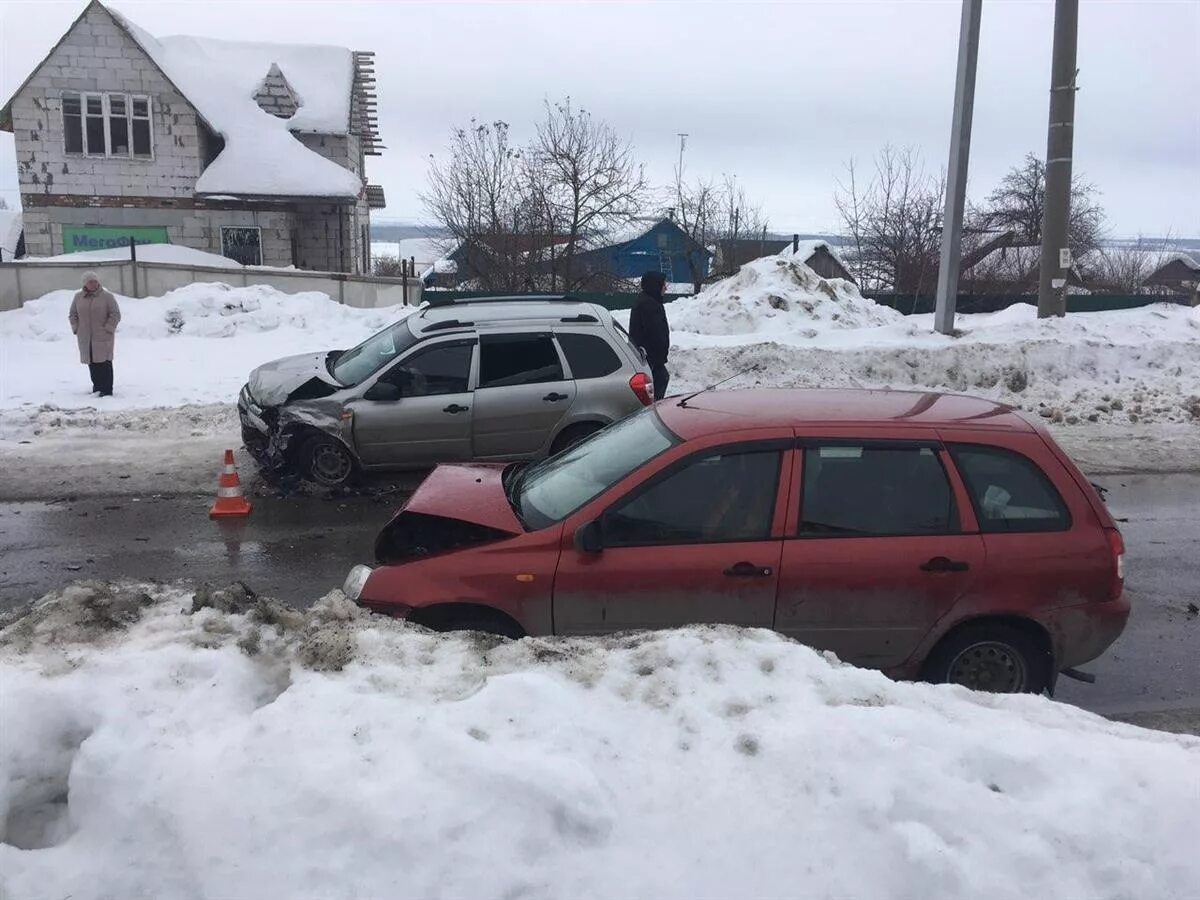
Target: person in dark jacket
(649,330)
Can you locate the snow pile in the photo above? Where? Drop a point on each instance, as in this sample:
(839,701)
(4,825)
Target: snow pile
(1125,366)
(194,345)
(175,254)
(261,156)
(780,295)
(167,745)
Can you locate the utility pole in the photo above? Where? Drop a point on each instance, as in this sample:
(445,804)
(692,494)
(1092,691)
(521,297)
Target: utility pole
(1060,142)
(956,178)
(682,143)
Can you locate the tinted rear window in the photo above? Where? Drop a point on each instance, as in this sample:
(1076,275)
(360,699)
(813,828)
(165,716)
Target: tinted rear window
(860,491)
(1009,491)
(513,359)
(589,355)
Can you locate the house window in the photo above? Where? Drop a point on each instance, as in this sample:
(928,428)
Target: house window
(242,244)
(116,125)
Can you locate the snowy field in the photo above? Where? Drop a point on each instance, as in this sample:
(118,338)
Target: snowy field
(247,750)
(182,358)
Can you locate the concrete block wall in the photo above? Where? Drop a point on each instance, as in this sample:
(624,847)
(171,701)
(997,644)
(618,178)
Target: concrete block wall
(98,56)
(199,229)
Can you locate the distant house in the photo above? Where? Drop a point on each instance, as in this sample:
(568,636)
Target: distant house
(492,258)
(253,151)
(649,245)
(818,255)
(1180,273)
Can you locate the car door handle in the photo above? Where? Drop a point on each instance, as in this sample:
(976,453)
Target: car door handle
(454,408)
(748,570)
(944,564)
(553,397)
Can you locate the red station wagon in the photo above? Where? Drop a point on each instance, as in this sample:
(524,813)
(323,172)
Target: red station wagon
(929,535)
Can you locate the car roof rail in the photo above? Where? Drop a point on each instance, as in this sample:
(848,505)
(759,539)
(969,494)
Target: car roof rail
(437,303)
(582,317)
(448,323)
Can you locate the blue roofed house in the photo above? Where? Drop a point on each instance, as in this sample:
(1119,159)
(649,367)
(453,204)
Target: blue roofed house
(648,245)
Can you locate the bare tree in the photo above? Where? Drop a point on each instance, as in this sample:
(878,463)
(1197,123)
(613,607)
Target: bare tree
(588,182)
(1018,203)
(477,194)
(1124,268)
(894,222)
(697,212)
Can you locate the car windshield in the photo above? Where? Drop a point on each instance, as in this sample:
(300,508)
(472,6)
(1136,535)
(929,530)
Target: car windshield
(356,365)
(553,489)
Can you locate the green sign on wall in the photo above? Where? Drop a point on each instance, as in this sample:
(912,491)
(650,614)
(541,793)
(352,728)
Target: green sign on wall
(101,237)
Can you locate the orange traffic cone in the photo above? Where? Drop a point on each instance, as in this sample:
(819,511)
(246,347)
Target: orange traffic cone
(230,502)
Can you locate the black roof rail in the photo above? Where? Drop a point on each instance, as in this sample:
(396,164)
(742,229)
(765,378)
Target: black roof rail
(448,323)
(582,317)
(435,302)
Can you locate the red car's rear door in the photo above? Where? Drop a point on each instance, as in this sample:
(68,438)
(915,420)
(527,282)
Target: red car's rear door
(882,546)
(698,540)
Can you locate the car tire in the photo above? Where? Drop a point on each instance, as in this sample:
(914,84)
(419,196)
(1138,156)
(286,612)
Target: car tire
(572,436)
(992,657)
(327,462)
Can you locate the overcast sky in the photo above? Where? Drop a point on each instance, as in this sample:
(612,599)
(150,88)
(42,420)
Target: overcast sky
(778,94)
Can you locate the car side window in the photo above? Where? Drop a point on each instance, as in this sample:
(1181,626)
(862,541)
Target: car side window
(862,491)
(1009,491)
(714,498)
(514,359)
(588,355)
(442,369)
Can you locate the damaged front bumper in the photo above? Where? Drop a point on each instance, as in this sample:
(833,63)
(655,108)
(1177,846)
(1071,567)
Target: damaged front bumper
(261,435)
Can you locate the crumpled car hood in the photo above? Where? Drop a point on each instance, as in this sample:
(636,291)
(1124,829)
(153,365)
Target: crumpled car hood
(469,493)
(271,384)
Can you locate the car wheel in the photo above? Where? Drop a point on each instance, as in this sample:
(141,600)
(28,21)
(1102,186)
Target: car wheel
(452,618)
(991,657)
(327,462)
(572,436)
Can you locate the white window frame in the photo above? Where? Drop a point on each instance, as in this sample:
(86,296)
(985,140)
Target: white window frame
(106,113)
(257,228)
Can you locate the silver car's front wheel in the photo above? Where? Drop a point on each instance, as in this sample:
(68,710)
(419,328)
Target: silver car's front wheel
(328,463)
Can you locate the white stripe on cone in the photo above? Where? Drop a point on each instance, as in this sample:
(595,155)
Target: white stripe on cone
(229,492)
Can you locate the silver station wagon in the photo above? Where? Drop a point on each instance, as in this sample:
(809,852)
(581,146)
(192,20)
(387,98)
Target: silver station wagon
(488,379)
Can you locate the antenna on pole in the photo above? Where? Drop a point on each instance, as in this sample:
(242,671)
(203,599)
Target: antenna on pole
(682,144)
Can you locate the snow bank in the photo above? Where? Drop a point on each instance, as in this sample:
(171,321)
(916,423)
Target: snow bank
(1125,366)
(778,294)
(194,345)
(10,233)
(158,253)
(250,750)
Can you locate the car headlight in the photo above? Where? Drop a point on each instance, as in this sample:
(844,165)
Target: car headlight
(356,581)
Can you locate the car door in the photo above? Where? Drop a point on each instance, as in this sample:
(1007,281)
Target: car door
(877,554)
(522,394)
(698,542)
(430,421)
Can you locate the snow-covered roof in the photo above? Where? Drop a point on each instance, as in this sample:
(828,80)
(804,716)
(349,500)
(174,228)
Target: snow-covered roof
(174,254)
(10,232)
(261,156)
(806,249)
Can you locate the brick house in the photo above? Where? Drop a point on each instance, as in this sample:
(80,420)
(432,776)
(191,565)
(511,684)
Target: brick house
(253,151)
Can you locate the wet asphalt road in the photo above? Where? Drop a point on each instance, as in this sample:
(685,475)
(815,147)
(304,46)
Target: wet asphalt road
(299,548)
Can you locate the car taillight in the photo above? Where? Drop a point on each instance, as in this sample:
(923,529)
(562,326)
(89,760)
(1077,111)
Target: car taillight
(643,387)
(1117,545)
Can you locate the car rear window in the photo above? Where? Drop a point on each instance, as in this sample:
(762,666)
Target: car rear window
(514,359)
(1009,491)
(863,490)
(588,355)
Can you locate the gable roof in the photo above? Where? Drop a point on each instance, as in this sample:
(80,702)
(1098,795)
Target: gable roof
(261,157)
(639,228)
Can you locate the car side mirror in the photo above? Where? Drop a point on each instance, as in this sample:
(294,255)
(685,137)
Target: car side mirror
(382,392)
(590,538)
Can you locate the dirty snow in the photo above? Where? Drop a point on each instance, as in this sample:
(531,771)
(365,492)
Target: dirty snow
(261,156)
(778,294)
(167,745)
